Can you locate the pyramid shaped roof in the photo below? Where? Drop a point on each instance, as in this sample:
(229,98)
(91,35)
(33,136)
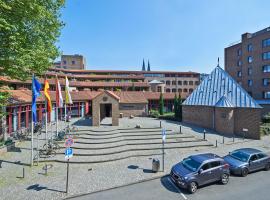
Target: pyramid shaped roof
(219,89)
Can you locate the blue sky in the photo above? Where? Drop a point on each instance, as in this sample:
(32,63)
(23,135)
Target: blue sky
(174,35)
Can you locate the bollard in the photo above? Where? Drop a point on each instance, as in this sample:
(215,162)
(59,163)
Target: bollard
(180,129)
(46,169)
(204,134)
(160,124)
(223,140)
(216,143)
(233,138)
(23,173)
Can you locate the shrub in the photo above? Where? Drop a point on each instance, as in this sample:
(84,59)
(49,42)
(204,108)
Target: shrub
(154,113)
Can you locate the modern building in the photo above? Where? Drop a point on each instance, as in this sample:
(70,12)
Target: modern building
(181,82)
(248,62)
(71,62)
(221,104)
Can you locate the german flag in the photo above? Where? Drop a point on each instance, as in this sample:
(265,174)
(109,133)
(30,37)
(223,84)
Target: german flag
(47,95)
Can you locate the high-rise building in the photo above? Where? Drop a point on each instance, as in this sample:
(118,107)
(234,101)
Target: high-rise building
(248,62)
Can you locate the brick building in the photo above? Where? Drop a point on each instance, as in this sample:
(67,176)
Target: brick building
(248,62)
(71,62)
(221,104)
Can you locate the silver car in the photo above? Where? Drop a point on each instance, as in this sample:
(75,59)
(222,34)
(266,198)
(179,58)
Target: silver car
(243,161)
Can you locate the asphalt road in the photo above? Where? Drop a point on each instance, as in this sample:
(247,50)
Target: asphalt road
(255,186)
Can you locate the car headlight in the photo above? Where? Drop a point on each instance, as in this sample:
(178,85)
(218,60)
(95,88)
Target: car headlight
(185,177)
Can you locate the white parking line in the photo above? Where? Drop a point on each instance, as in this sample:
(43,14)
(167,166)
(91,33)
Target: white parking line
(177,188)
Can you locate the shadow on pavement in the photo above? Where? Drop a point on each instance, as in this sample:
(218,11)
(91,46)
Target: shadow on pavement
(137,167)
(16,163)
(38,188)
(83,122)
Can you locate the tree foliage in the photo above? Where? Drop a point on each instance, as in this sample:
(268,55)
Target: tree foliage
(29,30)
(161,104)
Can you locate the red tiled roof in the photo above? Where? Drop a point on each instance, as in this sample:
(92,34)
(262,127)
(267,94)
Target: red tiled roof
(125,71)
(131,97)
(25,96)
(95,76)
(81,83)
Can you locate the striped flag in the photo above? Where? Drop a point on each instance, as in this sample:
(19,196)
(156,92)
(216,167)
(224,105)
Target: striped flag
(47,95)
(59,98)
(67,93)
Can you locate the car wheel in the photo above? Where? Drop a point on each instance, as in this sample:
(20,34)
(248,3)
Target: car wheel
(244,172)
(224,179)
(192,187)
(267,166)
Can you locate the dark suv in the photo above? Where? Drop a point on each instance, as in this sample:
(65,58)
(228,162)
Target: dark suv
(199,170)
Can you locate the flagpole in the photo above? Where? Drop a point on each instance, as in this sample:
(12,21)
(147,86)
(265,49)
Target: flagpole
(56,114)
(46,122)
(32,128)
(65,118)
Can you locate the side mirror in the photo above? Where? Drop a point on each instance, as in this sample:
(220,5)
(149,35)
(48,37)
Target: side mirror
(184,158)
(229,153)
(200,171)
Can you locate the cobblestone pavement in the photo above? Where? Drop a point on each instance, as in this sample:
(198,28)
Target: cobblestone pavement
(85,178)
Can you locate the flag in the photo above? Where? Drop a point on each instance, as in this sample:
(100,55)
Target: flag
(59,98)
(67,93)
(35,93)
(47,96)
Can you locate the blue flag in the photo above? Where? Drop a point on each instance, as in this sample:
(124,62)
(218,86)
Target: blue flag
(35,93)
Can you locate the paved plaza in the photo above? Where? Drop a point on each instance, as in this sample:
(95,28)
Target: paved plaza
(107,156)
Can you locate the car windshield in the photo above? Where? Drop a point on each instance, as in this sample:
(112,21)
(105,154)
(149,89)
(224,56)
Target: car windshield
(239,155)
(191,164)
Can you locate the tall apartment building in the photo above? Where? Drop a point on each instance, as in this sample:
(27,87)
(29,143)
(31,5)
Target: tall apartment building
(248,62)
(71,62)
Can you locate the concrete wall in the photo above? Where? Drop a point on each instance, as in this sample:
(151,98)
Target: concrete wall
(248,119)
(135,109)
(198,115)
(104,98)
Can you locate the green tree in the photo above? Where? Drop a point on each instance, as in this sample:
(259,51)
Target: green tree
(29,30)
(161,104)
(179,112)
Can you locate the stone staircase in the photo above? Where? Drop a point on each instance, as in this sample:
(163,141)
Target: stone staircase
(116,144)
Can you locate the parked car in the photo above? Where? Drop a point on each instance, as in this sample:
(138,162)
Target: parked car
(201,169)
(243,161)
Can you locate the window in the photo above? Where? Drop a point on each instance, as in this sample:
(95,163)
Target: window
(266,95)
(261,155)
(73,62)
(266,81)
(196,82)
(253,158)
(64,67)
(190,82)
(205,167)
(65,62)
(250,59)
(250,93)
(239,74)
(168,90)
(180,90)
(168,82)
(179,82)
(266,55)
(173,90)
(250,82)
(190,90)
(173,82)
(266,68)
(185,90)
(185,82)
(266,42)
(250,47)
(214,164)
(239,52)
(249,71)
(239,63)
